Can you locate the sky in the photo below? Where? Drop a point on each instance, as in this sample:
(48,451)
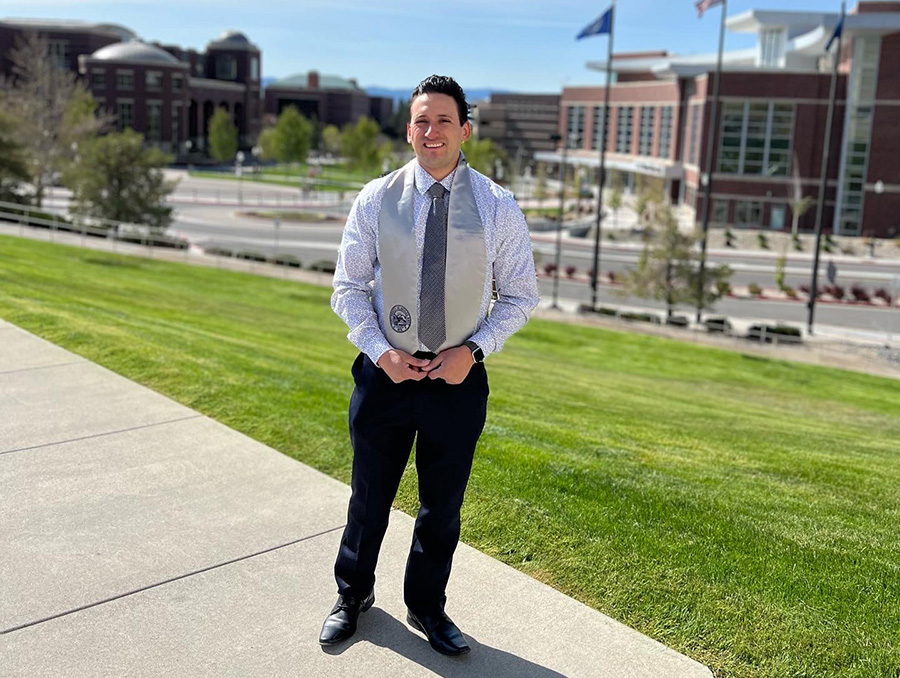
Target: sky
(511,45)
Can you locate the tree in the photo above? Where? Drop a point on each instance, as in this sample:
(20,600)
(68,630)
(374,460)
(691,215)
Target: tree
(396,126)
(52,111)
(293,136)
(331,140)
(540,182)
(799,207)
(268,143)
(116,178)
(13,168)
(615,204)
(482,154)
(359,145)
(223,136)
(666,270)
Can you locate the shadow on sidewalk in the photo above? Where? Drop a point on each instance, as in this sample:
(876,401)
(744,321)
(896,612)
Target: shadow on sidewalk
(380,628)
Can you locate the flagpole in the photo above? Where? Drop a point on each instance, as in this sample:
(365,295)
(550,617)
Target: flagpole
(710,159)
(595,272)
(823,177)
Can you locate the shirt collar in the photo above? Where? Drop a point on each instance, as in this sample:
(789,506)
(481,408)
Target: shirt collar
(424,180)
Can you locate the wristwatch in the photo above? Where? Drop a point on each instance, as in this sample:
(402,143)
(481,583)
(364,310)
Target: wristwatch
(477,353)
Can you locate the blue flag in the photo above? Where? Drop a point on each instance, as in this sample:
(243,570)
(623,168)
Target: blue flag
(836,34)
(602,25)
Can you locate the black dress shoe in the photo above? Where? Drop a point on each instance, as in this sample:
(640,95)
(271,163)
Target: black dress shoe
(340,624)
(442,634)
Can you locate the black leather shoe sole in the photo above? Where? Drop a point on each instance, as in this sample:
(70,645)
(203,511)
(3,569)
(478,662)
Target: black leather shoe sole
(369,602)
(412,621)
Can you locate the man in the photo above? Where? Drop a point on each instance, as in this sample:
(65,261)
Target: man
(421,249)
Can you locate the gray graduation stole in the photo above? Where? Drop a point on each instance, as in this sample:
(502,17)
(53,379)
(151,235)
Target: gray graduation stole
(466,260)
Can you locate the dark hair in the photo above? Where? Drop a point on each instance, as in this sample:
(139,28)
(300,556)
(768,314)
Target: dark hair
(444,84)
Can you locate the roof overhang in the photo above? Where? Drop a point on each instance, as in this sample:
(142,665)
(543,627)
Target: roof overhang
(643,166)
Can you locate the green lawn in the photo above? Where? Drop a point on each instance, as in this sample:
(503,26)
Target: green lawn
(742,510)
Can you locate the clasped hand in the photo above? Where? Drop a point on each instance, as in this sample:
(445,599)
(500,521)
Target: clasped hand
(451,365)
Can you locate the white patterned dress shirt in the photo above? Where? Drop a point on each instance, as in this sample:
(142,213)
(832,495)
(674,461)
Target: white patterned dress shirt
(358,298)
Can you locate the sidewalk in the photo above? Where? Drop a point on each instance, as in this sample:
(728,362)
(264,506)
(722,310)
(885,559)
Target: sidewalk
(145,539)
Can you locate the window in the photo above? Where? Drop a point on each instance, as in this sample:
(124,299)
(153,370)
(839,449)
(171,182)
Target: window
(254,68)
(720,211)
(860,110)
(575,126)
(226,67)
(154,120)
(177,83)
(125,80)
(749,213)
(176,122)
(58,51)
(623,134)
(695,136)
(98,78)
(776,217)
(645,138)
(126,115)
(153,81)
(198,69)
(756,138)
(665,131)
(599,119)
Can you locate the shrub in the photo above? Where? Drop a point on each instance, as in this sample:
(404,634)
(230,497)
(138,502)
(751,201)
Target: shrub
(323,266)
(859,293)
(770,333)
(837,292)
(286,260)
(549,269)
(763,241)
(790,292)
(250,256)
(606,310)
(723,287)
(729,238)
(612,277)
(717,324)
(754,289)
(570,271)
(884,295)
(216,251)
(643,317)
(677,321)
(610,235)
(798,245)
(848,249)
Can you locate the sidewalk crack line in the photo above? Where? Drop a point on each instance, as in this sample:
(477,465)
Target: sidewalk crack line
(169,581)
(100,435)
(43,367)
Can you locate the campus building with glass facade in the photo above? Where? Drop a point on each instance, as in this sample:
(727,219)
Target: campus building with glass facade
(770,126)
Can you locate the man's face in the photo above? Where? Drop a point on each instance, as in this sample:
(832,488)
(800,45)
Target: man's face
(435,133)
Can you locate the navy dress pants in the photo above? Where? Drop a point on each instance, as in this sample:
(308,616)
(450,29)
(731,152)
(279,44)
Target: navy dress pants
(445,422)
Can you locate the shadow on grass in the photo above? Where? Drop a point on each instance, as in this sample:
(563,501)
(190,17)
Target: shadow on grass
(381,629)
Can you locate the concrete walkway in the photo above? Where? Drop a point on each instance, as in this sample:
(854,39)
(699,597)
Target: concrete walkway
(144,539)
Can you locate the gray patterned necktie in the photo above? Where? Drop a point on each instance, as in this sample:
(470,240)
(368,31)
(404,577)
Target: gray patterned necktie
(432,329)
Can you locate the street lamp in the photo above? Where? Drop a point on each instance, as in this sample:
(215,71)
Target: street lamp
(239,171)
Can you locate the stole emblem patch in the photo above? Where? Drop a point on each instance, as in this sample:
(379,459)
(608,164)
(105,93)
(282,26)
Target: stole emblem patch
(400,318)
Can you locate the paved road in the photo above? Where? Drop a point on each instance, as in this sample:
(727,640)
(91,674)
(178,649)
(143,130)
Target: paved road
(206,223)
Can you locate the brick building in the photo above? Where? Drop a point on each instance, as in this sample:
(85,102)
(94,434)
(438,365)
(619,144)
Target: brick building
(770,126)
(331,99)
(168,93)
(521,124)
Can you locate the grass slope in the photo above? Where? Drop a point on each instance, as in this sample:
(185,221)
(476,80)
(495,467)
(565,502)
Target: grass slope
(742,510)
